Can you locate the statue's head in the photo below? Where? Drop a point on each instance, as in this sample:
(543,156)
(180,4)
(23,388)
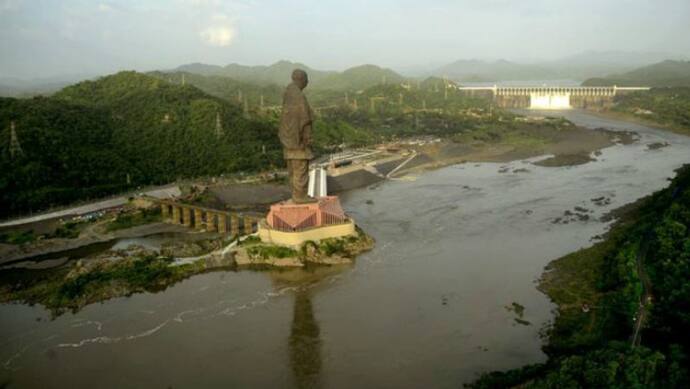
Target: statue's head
(299,77)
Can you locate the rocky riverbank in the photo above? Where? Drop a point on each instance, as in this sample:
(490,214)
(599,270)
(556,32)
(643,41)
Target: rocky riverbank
(118,273)
(334,251)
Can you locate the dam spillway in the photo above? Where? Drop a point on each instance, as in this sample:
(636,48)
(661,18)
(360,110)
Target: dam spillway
(548,97)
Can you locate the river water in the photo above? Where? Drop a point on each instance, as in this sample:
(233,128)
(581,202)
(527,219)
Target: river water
(425,308)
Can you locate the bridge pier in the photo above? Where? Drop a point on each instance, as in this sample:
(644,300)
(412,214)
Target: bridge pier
(198,221)
(234,225)
(248,228)
(175,214)
(186,217)
(210,222)
(222,223)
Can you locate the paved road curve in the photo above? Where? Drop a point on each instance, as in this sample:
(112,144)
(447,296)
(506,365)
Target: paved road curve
(160,192)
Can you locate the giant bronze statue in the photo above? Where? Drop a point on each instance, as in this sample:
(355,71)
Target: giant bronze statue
(295,135)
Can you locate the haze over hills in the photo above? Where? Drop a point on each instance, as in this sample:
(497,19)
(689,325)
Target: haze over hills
(601,63)
(663,74)
(358,77)
(576,67)
(277,73)
(17,87)
(484,71)
(582,66)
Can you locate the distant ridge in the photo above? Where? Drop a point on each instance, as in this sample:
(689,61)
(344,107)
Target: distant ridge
(501,70)
(355,78)
(667,73)
(277,73)
(579,66)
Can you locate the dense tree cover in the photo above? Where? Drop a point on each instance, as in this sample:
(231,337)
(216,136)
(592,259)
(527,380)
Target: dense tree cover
(67,153)
(592,349)
(666,106)
(228,88)
(121,131)
(169,131)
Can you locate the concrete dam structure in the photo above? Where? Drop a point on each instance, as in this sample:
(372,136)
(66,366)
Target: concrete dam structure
(545,97)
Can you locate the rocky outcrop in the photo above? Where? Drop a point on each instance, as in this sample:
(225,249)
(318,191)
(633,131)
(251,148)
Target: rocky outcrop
(328,252)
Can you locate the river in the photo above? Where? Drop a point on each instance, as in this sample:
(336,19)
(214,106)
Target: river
(426,308)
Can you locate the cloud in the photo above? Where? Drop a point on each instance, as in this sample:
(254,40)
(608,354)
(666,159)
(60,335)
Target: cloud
(9,5)
(202,3)
(219,36)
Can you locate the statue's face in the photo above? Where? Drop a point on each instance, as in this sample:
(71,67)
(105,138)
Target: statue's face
(302,82)
(300,78)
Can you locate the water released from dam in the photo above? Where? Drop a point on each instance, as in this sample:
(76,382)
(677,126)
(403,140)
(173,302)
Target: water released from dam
(427,307)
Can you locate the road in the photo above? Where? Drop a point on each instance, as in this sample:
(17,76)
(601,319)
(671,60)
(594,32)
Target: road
(160,192)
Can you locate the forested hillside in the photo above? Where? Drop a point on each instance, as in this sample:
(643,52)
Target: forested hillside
(666,106)
(638,274)
(227,88)
(124,130)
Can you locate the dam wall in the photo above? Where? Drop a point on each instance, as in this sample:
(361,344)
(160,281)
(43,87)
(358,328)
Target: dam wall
(543,97)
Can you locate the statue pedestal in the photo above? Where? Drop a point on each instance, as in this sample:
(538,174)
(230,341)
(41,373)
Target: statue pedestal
(289,224)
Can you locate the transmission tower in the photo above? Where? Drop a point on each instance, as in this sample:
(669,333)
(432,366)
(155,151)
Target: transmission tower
(15,147)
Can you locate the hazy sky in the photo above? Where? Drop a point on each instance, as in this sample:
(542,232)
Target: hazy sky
(41,38)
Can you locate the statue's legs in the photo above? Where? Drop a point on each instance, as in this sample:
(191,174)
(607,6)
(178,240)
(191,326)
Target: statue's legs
(298,175)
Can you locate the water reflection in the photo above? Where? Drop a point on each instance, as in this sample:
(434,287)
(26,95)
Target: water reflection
(304,342)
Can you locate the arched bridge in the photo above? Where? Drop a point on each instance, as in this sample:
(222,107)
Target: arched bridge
(211,220)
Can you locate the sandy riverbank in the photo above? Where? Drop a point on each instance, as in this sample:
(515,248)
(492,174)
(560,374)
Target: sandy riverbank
(640,120)
(566,147)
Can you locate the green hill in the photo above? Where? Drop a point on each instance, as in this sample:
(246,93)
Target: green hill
(663,74)
(358,78)
(121,131)
(277,73)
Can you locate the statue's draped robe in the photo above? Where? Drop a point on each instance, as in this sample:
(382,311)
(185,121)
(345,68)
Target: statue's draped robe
(295,135)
